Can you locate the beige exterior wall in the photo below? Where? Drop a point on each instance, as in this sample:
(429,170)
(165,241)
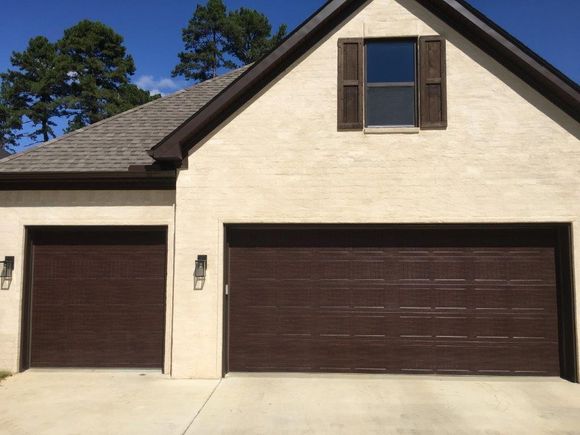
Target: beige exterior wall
(71,208)
(508,155)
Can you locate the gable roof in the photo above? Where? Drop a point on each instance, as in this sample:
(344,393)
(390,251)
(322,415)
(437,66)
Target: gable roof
(3,153)
(117,143)
(477,28)
(140,148)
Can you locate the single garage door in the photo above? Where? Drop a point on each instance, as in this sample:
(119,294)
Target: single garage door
(437,300)
(97,297)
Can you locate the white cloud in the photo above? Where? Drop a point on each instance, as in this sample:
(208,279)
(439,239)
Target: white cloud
(157,87)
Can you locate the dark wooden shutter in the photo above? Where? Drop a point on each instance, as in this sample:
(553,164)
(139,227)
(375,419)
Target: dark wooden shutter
(350,84)
(432,82)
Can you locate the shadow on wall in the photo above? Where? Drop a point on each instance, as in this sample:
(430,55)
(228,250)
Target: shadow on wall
(514,82)
(88,198)
(5,283)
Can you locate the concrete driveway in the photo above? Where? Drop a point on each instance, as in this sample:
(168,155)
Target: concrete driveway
(71,402)
(99,402)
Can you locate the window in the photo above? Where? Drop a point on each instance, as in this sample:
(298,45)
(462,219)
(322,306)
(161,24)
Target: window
(390,83)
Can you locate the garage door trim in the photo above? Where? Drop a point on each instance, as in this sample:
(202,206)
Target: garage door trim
(26,313)
(564,276)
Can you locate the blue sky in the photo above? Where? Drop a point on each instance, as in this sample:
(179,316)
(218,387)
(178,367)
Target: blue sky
(152,28)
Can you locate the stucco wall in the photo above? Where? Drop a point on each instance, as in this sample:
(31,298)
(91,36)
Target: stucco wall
(508,155)
(27,208)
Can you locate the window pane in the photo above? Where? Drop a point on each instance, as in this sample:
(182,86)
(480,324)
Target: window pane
(390,106)
(390,61)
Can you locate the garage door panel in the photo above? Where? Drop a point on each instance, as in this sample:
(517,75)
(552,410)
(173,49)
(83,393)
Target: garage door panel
(490,269)
(99,264)
(294,293)
(415,326)
(452,298)
(292,267)
(296,322)
(448,269)
(370,296)
(454,359)
(452,327)
(54,293)
(334,354)
(415,298)
(534,328)
(292,354)
(362,268)
(533,298)
(369,325)
(256,321)
(531,266)
(496,298)
(335,270)
(360,306)
(415,357)
(259,293)
(411,269)
(369,355)
(97,298)
(334,295)
(332,325)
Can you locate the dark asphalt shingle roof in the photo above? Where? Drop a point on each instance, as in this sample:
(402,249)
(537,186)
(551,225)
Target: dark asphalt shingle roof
(116,143)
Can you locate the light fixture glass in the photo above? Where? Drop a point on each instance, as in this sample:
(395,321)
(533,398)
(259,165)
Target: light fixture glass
(7,267)
(200,266)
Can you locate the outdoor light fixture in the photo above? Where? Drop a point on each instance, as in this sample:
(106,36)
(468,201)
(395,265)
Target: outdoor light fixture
(7,267)
(200,267)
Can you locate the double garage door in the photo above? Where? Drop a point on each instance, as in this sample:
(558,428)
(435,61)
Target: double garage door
(434,300)
(96,298)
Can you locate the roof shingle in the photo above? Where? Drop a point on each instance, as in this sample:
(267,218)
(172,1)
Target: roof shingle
(114,144)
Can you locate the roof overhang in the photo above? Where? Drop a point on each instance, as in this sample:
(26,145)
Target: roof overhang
(474,26)
(175,147)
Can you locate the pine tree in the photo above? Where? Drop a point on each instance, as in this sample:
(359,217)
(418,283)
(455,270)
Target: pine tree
(10,124)
(99,71)
(216,40)
(204,43)
(32,91)
(249,35)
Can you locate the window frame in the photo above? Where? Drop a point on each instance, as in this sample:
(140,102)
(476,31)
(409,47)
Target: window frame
(416,101)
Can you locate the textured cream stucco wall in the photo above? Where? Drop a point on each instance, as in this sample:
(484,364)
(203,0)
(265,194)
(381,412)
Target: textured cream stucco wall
(20,209)
(508,156)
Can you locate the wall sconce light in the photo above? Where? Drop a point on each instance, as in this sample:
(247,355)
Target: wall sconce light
(7,267)
(199,272)
(200,266)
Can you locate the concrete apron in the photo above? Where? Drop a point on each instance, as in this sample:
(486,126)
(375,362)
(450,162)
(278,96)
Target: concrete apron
(99,402)
(379,404)
(139,402)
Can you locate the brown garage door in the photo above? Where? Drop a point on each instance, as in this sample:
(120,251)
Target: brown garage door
(97,298)
(455,301)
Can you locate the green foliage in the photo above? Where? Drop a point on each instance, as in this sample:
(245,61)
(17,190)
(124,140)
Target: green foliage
(10,124)
(84,76)
(204,40)
(249,35)
(215,39)
(98,68)
(32,90)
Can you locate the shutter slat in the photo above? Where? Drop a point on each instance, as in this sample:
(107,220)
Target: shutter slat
(432,86)
(350,84)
